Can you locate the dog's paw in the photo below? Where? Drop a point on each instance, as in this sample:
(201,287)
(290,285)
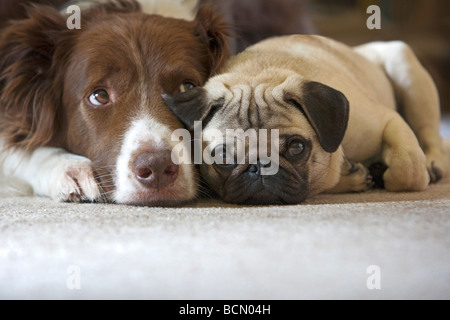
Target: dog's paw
(358,178)
(406,171)
(75,181)
(355,177)
(437,164)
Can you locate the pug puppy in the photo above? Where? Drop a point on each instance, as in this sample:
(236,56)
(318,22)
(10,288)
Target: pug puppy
(337,109)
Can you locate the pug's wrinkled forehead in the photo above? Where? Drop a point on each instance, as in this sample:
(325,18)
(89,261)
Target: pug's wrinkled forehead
(251,102)
(266,100)
(236,101)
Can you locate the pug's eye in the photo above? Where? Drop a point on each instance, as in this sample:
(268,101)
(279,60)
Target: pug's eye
(99,98)
(186,86)
(220,157)
(295,148)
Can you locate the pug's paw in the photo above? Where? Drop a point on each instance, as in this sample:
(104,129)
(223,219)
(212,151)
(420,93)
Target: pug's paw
(407,171)
(437,164)
(355,177)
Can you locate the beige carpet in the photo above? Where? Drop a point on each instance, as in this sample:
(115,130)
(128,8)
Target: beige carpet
(210,250)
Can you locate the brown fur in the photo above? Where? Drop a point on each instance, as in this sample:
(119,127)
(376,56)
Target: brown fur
(47,73)
(37,54)
(16,9)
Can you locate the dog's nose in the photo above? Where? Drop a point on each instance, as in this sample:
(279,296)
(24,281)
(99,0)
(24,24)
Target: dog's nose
(155,169)
(255,169)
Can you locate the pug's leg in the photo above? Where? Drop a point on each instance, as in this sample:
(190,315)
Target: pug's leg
(418,98)
(406,163)
(355,177)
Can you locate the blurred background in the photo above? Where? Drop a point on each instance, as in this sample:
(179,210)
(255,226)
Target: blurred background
(423,24)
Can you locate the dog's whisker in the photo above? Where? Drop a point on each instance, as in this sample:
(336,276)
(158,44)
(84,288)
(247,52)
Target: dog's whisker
(203,194)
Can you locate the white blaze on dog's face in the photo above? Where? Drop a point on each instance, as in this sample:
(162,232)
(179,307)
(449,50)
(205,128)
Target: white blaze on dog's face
(311,120)
(145,150)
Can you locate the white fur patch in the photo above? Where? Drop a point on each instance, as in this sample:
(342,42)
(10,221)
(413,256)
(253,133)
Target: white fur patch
(145,134)
(48,172)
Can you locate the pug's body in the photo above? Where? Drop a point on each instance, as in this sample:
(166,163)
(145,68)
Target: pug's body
(338,110)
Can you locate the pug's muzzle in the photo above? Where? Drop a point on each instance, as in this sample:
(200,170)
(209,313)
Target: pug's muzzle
(261,182)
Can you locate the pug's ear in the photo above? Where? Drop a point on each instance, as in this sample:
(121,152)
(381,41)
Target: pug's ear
(326,109)
(191,106)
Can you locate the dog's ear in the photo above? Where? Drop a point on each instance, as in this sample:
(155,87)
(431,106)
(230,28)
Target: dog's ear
(191,106)
(213,31)
(326,109)
(98,8)
(29,88)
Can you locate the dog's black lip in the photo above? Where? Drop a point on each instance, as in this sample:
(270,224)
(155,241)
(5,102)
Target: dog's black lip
(256,200)
(263,190)
(261,195)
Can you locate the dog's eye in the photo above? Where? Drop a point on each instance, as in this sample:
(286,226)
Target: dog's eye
(99,98)
(295,148)
(186,86)
(220,157)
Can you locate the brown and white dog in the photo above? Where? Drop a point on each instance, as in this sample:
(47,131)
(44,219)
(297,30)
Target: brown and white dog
(81,113)
(338,110)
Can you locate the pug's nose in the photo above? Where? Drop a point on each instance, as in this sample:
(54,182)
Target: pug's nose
(255,169)
(155,169)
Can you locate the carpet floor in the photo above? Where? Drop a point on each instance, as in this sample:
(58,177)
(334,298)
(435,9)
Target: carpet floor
(373,245)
